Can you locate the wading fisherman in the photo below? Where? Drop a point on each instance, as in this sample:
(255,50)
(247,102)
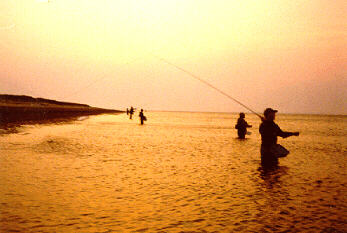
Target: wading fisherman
(242,126)
(142,117)
(131,112)
(269,130)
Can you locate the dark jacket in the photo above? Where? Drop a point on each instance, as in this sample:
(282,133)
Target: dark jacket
(269,131)
(242,124)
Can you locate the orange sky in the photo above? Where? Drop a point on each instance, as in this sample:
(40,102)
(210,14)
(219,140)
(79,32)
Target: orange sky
(290,55)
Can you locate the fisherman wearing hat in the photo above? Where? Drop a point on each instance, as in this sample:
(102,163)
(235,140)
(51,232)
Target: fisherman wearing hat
(269,130)
(242,126)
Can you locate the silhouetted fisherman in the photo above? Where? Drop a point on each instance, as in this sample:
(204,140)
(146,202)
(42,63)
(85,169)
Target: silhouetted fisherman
(131,112)
(269,130)
(142,117)
(242,126)
(127,111)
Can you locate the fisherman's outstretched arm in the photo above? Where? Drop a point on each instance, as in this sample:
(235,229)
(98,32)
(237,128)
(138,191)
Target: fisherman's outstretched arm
(284,134)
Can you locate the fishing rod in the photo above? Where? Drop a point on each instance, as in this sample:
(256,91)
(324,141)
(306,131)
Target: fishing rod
(206,83)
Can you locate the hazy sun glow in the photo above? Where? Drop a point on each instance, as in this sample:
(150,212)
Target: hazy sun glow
(240,46)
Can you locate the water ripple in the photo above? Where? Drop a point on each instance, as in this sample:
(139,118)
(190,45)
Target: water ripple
(181,174)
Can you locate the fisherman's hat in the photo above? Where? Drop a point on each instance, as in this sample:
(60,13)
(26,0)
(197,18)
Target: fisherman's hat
(268,111)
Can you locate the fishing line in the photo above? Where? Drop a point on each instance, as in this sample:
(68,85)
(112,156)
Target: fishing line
(68,11)
(95,81)
(8,27)
(205,82)
(7,21)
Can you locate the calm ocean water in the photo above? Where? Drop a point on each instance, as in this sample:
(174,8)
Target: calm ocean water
(181,172)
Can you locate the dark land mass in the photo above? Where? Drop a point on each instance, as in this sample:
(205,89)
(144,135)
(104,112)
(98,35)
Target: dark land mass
(23,109)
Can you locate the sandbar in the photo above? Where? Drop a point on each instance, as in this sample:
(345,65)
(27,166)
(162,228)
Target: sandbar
(21,108)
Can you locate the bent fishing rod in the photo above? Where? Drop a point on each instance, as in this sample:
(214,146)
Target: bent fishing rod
(205,82)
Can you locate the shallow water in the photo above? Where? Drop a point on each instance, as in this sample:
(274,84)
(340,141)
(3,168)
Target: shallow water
(181,172)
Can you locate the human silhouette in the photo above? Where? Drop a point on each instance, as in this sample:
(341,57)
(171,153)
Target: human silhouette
(142,117)
(127,111)
(131,112)
(269,130)
(242,126)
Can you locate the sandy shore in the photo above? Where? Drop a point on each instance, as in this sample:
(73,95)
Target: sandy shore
(25,108)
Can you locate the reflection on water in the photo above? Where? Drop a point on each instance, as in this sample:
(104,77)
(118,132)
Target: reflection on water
(14,127)
(181,172)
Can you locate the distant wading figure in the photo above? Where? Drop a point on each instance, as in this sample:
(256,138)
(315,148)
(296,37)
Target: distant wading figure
(269,130)
(142,117)
(131,112)
(242,126)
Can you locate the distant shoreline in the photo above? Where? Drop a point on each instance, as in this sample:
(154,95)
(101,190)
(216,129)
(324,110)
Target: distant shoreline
(249,113)
(16,108)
